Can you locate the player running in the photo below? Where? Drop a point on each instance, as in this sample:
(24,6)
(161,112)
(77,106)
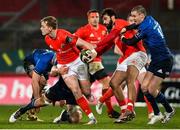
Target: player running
(33,66)
(65,45)
(129,65)
(161,63)
(93,32)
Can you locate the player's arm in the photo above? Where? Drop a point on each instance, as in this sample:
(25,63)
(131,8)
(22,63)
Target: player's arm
(107,42)
(35,84)
(129,27)
(131,41)
(83,44)
(55,71)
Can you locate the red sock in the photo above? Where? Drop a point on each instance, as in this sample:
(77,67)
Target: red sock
(108,101)
(130,105)
(83,103)
(122,104)
(107,95)
(149,107)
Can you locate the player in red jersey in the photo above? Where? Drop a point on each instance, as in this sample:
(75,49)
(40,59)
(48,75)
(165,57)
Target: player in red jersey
(133,60)
(65,45)
(141,75)
(93,32)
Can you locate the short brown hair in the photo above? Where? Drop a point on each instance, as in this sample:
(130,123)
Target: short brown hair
(51,21)
(92,11)
(139,9)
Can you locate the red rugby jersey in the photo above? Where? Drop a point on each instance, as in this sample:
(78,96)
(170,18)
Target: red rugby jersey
(92,35)
(64,45)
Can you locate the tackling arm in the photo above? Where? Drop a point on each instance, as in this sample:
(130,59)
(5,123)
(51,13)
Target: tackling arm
(131,42)
(35,84)
(107,42)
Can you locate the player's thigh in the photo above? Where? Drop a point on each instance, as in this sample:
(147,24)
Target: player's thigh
(132,73)
(105,82)
(141,75)
(154,85)
(137,59)
(117,78)
(73,84)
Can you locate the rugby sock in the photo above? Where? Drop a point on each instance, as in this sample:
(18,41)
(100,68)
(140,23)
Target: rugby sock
(108,101)
(27,107)
(153,103)
(161,99)
(130,105)
(107,95)
(149,107)
(83,103)
(122,105)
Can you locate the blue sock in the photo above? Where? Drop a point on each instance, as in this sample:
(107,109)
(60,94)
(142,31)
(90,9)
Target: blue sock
(27,107)
(161,99)
(153,103)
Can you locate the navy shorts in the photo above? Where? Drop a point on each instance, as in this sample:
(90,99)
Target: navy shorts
(98,75)
(60,91)
(162,68)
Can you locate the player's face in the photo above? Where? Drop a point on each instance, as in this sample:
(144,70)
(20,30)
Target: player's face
(107,21)
(138,17)
(45,30)
(131,20)
(93,19)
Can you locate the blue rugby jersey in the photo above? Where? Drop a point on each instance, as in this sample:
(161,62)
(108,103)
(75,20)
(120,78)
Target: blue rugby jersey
(43,60)
(151,33)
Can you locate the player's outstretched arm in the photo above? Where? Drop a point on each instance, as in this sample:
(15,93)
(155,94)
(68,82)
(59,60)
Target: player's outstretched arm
(107,42)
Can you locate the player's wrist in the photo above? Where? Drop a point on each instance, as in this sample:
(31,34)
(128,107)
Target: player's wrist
(93,51)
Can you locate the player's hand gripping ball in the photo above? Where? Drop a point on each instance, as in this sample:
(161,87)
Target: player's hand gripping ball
(86,56)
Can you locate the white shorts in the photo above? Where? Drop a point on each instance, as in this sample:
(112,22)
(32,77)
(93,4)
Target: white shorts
(77,68)
(138,59)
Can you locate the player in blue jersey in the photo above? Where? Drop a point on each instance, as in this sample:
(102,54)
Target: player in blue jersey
(38,65)
(58,92)
(161,63)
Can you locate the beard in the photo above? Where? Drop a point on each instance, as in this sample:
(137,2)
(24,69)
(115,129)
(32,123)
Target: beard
(109,26)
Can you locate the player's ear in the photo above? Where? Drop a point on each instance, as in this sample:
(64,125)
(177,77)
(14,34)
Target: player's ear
(113,18)
(50,29)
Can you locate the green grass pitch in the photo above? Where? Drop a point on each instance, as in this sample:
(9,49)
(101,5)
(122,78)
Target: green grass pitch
(104,122)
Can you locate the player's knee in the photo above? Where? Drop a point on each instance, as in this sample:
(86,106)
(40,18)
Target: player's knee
(152,90)
(144,87)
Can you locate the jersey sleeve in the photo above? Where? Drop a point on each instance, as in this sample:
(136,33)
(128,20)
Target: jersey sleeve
(120,23)
(139,35)
(107,42)
(69,38)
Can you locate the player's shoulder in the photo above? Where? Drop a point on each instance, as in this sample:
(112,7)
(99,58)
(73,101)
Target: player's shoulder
(82,28)
(102,26)
(121,21)
(85,27)
(148,22)
(62,31)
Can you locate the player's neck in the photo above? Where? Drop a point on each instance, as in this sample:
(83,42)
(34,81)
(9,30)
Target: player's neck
(53,34)
(95,26)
